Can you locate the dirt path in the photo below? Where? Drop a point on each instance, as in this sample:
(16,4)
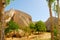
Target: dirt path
(44,36)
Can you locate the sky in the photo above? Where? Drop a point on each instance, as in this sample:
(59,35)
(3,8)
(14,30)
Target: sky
(38,9)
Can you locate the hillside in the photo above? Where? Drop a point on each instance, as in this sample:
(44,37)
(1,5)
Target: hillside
(21,18)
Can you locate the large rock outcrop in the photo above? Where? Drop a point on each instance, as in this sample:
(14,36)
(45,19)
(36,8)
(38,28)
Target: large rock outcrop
(21,18)
(48,25)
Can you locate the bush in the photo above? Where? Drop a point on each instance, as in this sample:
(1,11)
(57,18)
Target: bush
(40,26)
(55,32)
(32,27)
(27,30)
(11,26)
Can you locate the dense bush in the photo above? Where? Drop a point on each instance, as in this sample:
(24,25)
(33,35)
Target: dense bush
(40,26)
(32,27)
(11,26)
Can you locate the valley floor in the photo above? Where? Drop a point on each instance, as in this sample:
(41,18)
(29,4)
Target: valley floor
(44,36)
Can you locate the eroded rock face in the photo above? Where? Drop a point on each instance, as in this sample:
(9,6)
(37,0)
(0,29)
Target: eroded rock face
(8,15)
(48,25)
(21,18)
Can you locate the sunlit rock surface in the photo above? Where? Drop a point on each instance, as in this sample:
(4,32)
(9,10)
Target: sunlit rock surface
(21,18)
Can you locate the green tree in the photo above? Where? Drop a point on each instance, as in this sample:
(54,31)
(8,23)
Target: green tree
(40,26)
(11,26)
(32,27)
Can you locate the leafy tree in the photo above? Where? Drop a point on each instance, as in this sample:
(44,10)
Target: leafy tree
(40,26)
(11,26)
(32,27)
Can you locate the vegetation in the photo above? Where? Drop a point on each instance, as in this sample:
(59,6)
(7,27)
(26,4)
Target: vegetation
(55,34)
(32,27)
(2,17)
(40,26)
(27,29)
(11,26)
(50,2)
(8,2)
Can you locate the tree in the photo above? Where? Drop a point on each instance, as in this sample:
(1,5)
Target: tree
(50,2)
(32,27)
(58,28)
(11,26)
(2,22)
(57,9)
(40,26)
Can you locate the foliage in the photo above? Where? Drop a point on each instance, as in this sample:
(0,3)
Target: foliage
(11,26)
(55,33)
(32,26)
(27,29)
(40,26)
(8,2)
(55,7)
(50,1)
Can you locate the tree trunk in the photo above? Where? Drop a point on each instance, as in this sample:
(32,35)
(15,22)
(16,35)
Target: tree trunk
(51,22)
(58,28)
(2,19)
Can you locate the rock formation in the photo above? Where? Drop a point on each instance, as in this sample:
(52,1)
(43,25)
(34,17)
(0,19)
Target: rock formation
(21,18)
(48,25)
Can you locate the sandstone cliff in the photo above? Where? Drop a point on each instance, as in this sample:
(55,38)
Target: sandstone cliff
(21,18)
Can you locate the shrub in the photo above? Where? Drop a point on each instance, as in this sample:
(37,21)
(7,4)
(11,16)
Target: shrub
(55,32)
(32,27)
(40,26)
(11,26)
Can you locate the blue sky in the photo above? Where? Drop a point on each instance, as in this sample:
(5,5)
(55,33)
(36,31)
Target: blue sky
(38,9)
